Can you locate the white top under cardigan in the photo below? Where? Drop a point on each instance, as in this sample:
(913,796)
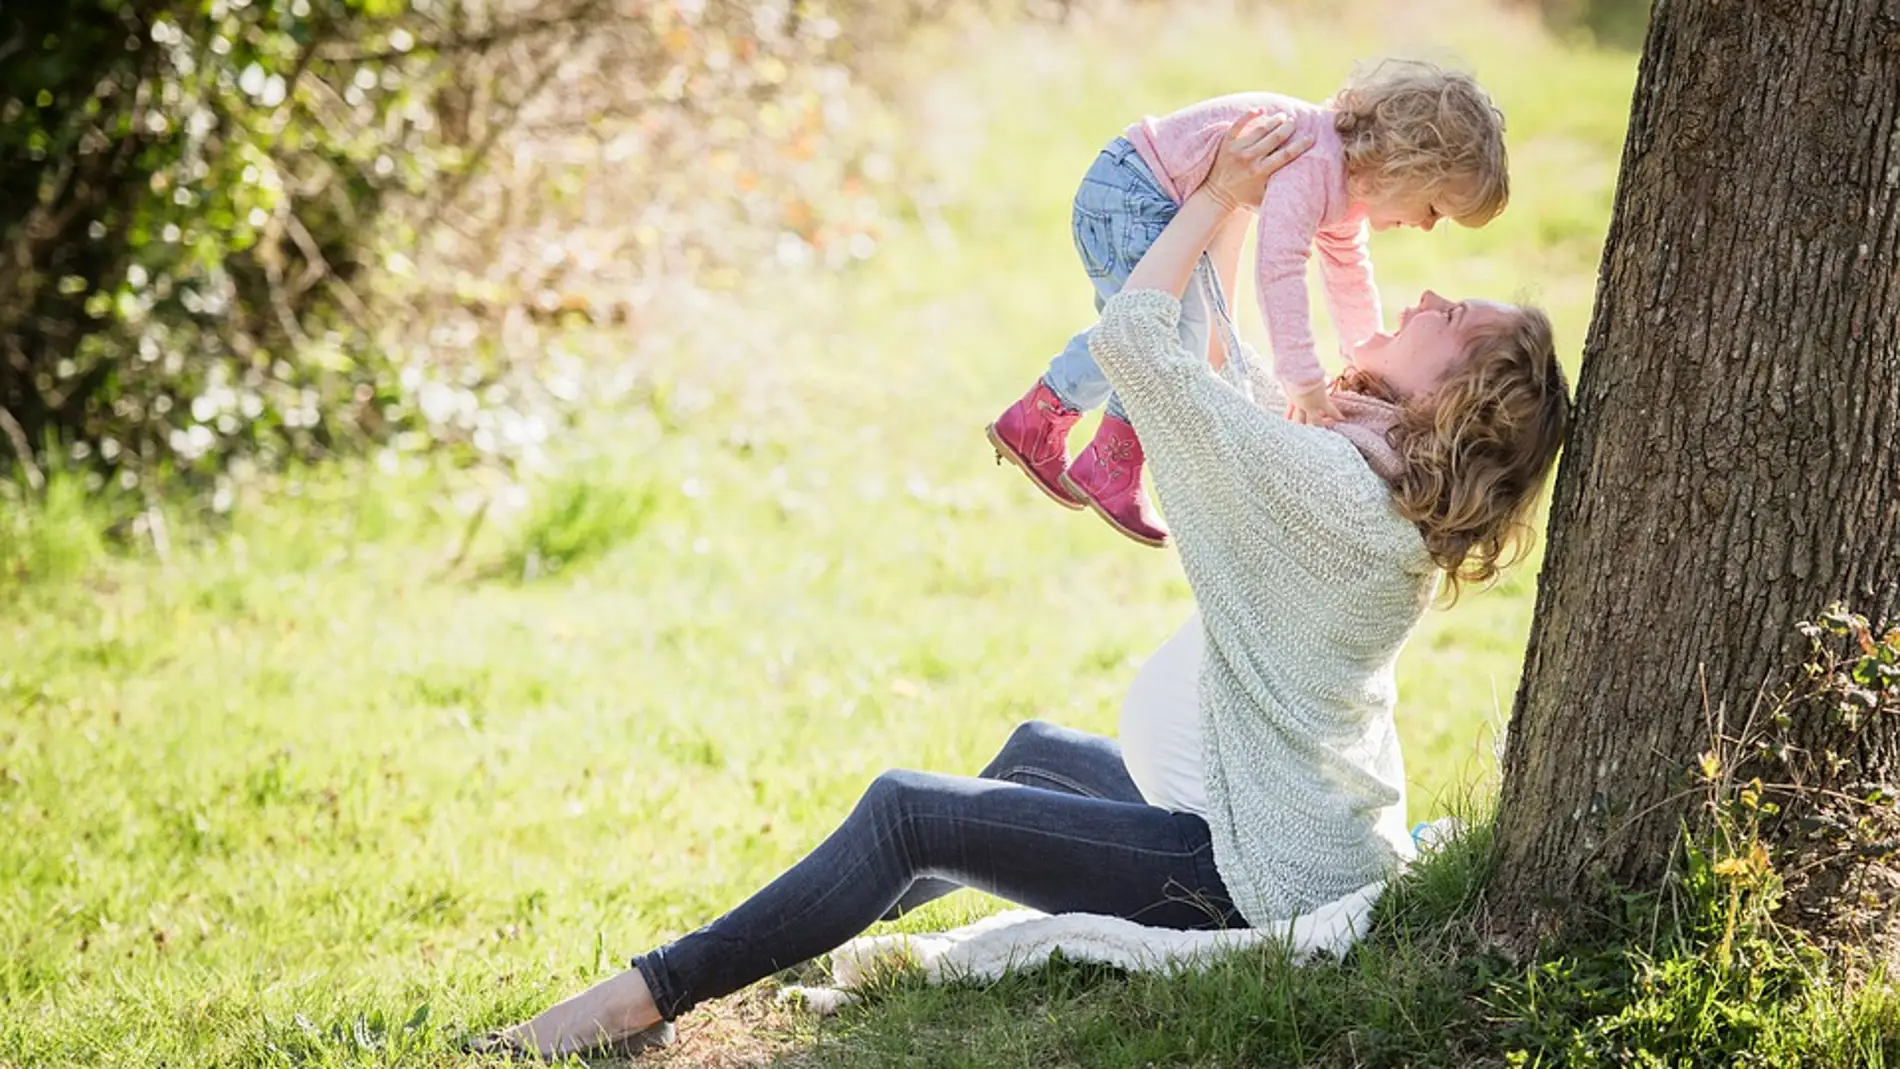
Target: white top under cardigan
(1308,582)
(1160,736)
(1160,730)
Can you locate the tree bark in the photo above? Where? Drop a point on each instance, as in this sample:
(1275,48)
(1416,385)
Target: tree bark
(1734,467)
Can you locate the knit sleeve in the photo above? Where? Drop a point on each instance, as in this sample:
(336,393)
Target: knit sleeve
(1346,266)
(1290,217)
(1214,452)
(1267,391)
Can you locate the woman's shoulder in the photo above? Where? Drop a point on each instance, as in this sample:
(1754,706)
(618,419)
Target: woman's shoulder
(1363,518)
(1139,316)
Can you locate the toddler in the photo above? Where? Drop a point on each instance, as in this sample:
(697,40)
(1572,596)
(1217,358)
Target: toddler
(1406,144)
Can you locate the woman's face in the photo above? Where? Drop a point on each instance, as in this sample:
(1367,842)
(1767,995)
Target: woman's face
(1429,344)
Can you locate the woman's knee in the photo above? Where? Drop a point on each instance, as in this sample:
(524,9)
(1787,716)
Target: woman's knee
(1029,738)
(891,794)
(894,807)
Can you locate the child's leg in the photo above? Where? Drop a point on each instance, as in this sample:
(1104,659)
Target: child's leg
(1119,211)
(1107,475)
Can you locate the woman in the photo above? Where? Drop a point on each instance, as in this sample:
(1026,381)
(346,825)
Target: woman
(1267,781)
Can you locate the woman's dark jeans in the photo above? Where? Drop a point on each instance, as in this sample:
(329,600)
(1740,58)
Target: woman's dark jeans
(1053,823)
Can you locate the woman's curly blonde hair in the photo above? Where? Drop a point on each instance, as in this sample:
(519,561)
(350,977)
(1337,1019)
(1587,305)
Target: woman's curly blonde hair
(1412,127)
(1477,448)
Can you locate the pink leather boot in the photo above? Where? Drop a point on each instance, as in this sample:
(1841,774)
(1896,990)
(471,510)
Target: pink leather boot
(1107,475)
(1033,434)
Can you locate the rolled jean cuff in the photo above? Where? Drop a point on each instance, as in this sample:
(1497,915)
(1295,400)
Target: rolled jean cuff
(1069,401)
(652,966)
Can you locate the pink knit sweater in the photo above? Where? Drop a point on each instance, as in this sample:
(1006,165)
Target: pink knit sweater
(1305,207)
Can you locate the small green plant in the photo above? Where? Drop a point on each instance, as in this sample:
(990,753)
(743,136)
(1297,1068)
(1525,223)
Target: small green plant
(575,521)
(49,535)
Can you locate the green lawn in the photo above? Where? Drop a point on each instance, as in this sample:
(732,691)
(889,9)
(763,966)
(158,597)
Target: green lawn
(304,794)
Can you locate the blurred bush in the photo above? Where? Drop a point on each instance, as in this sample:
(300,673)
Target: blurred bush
(187,194)
(236,233)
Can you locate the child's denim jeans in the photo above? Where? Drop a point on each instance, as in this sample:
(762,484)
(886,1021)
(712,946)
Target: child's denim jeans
(1119,211)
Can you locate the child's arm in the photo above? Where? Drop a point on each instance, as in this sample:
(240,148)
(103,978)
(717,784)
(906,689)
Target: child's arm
(1346,266)
(1289,221)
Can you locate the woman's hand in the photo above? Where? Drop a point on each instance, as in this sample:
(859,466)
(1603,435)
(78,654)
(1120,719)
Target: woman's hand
(1255,146)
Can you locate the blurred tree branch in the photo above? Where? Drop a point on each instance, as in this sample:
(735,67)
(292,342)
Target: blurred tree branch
(454,43)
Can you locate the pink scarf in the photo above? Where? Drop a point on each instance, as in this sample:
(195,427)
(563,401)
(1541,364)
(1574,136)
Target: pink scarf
(1368,425)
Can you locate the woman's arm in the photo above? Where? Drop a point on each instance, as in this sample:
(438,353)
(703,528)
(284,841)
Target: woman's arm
(1169,262)
(1225,252)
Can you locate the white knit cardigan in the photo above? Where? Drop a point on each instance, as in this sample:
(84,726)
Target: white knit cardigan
(1309,583)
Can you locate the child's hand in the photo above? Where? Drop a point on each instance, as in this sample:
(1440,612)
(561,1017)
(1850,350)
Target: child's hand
(1255,147)
(1312,406)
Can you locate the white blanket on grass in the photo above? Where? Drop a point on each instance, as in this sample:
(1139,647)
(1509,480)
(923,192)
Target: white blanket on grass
(1024,938)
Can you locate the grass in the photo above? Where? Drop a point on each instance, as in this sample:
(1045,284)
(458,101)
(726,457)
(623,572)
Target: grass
(353,772)
(1695,976)
(58,538)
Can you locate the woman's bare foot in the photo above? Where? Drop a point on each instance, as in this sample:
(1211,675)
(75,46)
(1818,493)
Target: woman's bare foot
(610,1011)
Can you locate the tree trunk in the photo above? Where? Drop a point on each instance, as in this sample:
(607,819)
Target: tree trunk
(1735,463)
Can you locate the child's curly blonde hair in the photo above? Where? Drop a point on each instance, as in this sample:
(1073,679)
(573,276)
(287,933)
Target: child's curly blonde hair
(1478,447)
(1412,127)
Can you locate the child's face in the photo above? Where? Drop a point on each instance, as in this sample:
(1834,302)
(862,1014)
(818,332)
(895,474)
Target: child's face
(1403,209)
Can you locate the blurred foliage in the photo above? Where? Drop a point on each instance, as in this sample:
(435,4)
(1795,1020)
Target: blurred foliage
(183,216)
(1611,22)
(240,233)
